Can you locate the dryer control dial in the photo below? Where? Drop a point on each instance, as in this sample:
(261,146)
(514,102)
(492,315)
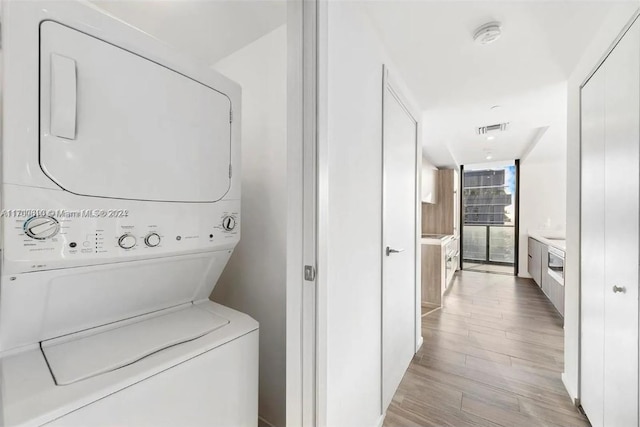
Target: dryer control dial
(152,240)
(127,241)
(41,227)
(229,223)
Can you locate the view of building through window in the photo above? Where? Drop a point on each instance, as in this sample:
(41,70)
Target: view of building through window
(489,215)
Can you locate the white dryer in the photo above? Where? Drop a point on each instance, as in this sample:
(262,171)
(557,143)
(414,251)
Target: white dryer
(121,198)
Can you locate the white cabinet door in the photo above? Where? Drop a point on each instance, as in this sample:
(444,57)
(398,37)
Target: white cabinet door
(610,237)
(429,182)
(398,233)
(535,260)
(622,123)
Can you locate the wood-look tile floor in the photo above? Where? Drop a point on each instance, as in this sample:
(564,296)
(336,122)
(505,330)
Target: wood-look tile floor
(492,356)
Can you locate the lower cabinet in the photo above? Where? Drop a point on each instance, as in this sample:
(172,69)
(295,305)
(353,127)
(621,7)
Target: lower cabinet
(538,255)
(439,264)
(535,260)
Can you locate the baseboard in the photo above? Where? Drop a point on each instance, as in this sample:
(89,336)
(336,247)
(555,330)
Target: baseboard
(264,423)
(381,420)
(419,344)
(572,394)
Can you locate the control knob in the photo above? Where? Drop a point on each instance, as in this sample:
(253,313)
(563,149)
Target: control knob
(229,223)
(127,241)
(41,227)
(152,240)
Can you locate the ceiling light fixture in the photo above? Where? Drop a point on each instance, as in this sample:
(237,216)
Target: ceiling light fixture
(488,33)
(489,156)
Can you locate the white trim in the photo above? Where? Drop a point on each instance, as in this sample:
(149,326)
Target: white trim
(322,47)
(299,368)
(624,31)
(381,420)
(309,216)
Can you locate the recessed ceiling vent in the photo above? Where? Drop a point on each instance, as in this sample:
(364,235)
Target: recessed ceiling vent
(500,127)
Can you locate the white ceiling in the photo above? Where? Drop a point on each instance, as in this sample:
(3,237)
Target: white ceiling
(456,81)
(208,30)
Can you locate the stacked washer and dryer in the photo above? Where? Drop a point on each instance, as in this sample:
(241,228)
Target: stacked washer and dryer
(121,198)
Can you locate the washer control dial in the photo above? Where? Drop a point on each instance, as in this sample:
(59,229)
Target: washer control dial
(127,241)
(41,227)
(229,223)
(152,240)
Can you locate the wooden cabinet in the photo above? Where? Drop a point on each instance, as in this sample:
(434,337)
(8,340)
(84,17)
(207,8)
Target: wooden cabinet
(439,264)
(444,216)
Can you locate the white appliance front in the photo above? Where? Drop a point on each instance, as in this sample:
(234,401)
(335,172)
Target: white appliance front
(107,130)
(121,203)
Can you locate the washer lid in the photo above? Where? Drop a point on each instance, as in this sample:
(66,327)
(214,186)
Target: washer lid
(80,356)
(115,124)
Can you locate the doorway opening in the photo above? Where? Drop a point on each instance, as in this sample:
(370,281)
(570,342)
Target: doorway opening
(489,217)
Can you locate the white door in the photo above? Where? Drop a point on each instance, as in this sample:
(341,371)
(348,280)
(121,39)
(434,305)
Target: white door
(622,119)
(399,240)
(107,127)
(610,237)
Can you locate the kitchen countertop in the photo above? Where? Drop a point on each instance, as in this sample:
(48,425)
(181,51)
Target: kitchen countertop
(550,238)
(437,239)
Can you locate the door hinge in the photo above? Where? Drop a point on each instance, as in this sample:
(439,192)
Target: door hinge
(230,171)
(309,273)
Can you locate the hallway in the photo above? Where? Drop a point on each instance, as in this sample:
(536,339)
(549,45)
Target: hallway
(492,356)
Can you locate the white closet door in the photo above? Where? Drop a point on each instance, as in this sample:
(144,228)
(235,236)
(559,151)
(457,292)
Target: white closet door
(610,237)
(592,251)
(622,118)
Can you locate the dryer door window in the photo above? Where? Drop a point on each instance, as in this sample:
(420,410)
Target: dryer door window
(114,124)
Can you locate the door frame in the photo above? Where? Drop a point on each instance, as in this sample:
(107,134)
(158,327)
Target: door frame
(302,218)
(516,225)
(389,84)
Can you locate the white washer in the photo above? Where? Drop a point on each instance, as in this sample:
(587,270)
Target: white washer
(121,190)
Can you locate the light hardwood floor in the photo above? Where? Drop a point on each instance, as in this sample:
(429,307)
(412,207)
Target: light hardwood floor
(492,356)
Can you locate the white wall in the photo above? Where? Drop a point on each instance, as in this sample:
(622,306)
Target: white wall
(254,280)
(603,38)
(354,60)
(543,186)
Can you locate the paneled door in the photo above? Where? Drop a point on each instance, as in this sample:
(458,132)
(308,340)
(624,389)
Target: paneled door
(400,133)
(610,237)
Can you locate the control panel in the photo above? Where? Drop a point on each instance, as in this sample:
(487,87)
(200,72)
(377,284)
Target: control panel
(74,237)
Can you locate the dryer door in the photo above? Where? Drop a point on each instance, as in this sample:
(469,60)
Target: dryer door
(114,124)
